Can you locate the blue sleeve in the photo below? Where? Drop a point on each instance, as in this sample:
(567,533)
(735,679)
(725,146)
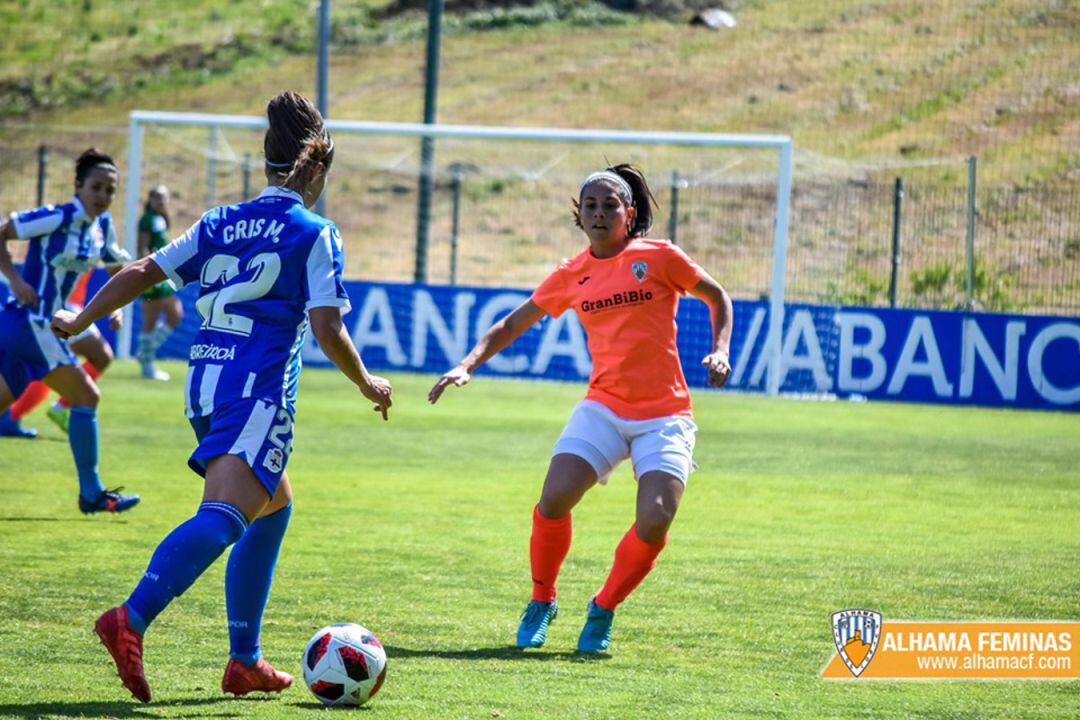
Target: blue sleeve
(180,258)
(324,269)
(37,222)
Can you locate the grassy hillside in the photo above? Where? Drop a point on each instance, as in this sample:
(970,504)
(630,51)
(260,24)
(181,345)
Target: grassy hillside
(849,78)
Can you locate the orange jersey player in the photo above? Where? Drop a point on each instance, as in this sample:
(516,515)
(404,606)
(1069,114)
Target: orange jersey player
(625,289)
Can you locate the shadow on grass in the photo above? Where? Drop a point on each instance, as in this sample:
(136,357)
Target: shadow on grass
(43,519)
(504,652)
(131,708)
(314,705)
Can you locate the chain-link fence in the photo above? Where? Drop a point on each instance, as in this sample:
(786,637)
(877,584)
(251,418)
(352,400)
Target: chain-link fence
(852,242)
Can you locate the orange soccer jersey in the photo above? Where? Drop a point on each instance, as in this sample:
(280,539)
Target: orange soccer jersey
(627,306)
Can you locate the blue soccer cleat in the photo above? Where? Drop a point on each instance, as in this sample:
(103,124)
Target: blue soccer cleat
(596,635)
(10,427)
(532,632)
(108,501)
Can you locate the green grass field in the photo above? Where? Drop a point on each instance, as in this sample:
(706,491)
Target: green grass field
(418,528)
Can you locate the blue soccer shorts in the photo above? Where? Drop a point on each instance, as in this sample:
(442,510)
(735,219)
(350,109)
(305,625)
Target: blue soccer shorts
(258,432)
(28,349)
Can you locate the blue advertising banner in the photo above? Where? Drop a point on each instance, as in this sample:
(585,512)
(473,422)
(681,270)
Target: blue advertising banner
(929,356)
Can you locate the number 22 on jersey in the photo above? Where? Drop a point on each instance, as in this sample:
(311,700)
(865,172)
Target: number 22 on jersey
(223,268)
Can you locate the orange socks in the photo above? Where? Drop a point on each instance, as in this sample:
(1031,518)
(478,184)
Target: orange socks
(34,395)
(548,546)
(550,542)
(634,558)
(91,370)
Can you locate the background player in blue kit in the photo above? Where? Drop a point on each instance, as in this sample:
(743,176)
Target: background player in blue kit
(264,268)
(65,241)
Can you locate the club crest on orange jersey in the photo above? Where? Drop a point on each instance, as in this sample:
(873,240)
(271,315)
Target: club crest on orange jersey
(639,269)
(856,633)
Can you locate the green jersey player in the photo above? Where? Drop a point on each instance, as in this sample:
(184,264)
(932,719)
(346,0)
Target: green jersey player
(162,310)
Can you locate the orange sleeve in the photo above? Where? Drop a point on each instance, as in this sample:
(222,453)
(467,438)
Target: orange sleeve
(680,271)
(551,295)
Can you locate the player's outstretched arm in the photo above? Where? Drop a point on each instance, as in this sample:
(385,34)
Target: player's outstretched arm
(722,314)
(121,289)
(329,331)
(500,335)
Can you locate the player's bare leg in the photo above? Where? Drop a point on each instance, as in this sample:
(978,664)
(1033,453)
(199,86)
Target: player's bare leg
(6,398)
(569,477)
(658,498)
(96,350)
(229,479)
(98,356)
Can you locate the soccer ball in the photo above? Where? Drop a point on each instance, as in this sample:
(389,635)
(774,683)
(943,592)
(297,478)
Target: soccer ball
(344,664)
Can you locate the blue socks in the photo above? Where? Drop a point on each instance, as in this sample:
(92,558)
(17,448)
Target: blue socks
(83,437)
(182,557)
(247,582)
(193,546)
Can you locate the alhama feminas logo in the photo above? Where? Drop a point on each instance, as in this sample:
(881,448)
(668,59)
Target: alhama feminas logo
(857,634)
(869,649)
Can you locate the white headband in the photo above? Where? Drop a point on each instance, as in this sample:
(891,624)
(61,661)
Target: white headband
(608,176)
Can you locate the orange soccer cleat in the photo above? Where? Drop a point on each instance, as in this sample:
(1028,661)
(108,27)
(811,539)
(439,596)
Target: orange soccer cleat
(240,679)
(125,645)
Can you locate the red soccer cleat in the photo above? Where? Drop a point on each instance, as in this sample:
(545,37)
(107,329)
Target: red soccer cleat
(125,646)
(240,679)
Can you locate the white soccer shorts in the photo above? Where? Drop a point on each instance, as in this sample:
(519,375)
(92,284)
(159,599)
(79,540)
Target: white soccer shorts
(603,439)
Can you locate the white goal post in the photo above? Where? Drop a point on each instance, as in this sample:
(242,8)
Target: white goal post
(782,144)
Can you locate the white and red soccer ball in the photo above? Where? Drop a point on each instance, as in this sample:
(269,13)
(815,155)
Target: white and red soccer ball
(344,664)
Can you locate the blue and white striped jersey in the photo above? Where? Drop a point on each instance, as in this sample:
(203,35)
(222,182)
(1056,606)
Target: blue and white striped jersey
(260,265)
(64,243)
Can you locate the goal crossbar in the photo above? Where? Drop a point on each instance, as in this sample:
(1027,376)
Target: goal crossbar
(782,144)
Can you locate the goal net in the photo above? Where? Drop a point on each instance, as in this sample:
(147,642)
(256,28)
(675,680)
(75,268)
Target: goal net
(500,199)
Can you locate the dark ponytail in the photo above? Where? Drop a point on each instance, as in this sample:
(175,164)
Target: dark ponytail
(90,160)
(296,141)
(643,201)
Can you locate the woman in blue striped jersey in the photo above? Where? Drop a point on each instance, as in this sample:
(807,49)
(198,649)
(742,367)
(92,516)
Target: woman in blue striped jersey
(265,269)
(65,241)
